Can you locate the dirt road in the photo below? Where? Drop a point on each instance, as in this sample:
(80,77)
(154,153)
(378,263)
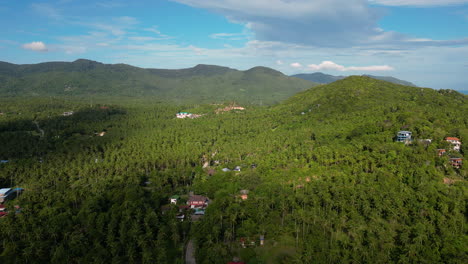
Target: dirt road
(189,253)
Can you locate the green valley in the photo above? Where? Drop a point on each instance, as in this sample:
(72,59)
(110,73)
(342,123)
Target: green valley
(317,178)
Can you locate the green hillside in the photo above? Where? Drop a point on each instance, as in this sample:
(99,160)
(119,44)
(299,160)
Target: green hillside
(200,84)
(326,181)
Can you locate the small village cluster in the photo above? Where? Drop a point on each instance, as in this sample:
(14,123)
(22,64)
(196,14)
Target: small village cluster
(229,108)
(8,194)
(456,162)
(183,115)
(196,204)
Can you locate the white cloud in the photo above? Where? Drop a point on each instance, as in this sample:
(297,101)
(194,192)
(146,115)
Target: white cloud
(320,23)
(126,20)
(115,30)
(229,36)
(110,4)
(197,50)
(330,65)
(419,2)
(156,31)
(279,62)
(139,38)
(296,65)
(47,10)
(35,46)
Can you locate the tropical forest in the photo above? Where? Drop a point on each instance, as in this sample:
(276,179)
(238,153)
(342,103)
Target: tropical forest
(313,174)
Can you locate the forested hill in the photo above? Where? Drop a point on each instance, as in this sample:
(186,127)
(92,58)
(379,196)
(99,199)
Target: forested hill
(355,93)
(360,106)
(322,78)
(200,84)
(324,179)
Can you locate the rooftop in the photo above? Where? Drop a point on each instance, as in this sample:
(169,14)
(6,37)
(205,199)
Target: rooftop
(195,198)
(404,132)
(4,190)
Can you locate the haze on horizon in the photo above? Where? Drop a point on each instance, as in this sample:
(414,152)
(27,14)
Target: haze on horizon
(422,41)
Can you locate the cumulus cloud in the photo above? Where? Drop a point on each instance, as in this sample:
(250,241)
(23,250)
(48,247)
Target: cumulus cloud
(296,65)
(35,46)
(419,2)
(318,22)
(279,62)
(330,65)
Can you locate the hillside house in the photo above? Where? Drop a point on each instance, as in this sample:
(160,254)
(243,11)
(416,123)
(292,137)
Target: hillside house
(456,143)
(183,115)
(229,108)
(425,141)
(199,211)
(4,192)
(9,194)
(441,152)
(68,113)
(174,199)
(456,162)
(198,201)
(404,136)
(244,194)
(180,217)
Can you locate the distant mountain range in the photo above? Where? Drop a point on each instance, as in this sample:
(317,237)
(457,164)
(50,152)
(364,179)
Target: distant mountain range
(322,78)
(200,84)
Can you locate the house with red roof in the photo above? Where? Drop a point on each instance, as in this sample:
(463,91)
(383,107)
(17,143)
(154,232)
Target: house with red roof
(441,152)
(198,201)
(456,162)
(456,143)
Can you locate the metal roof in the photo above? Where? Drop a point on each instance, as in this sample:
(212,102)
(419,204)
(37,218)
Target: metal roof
(4,190)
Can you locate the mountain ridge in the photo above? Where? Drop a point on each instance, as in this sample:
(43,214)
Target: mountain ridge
(322,78)
(201,84)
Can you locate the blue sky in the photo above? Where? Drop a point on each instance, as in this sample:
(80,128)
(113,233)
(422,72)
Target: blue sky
(423,41)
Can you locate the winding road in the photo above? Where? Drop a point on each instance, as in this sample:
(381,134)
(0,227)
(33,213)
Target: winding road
(38,128)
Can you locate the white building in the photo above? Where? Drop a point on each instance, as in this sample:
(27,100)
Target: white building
(456,143)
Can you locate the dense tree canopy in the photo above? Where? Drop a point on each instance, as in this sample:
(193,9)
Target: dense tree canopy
(326,181)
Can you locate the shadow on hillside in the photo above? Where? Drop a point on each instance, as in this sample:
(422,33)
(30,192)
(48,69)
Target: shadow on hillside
(58,135)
